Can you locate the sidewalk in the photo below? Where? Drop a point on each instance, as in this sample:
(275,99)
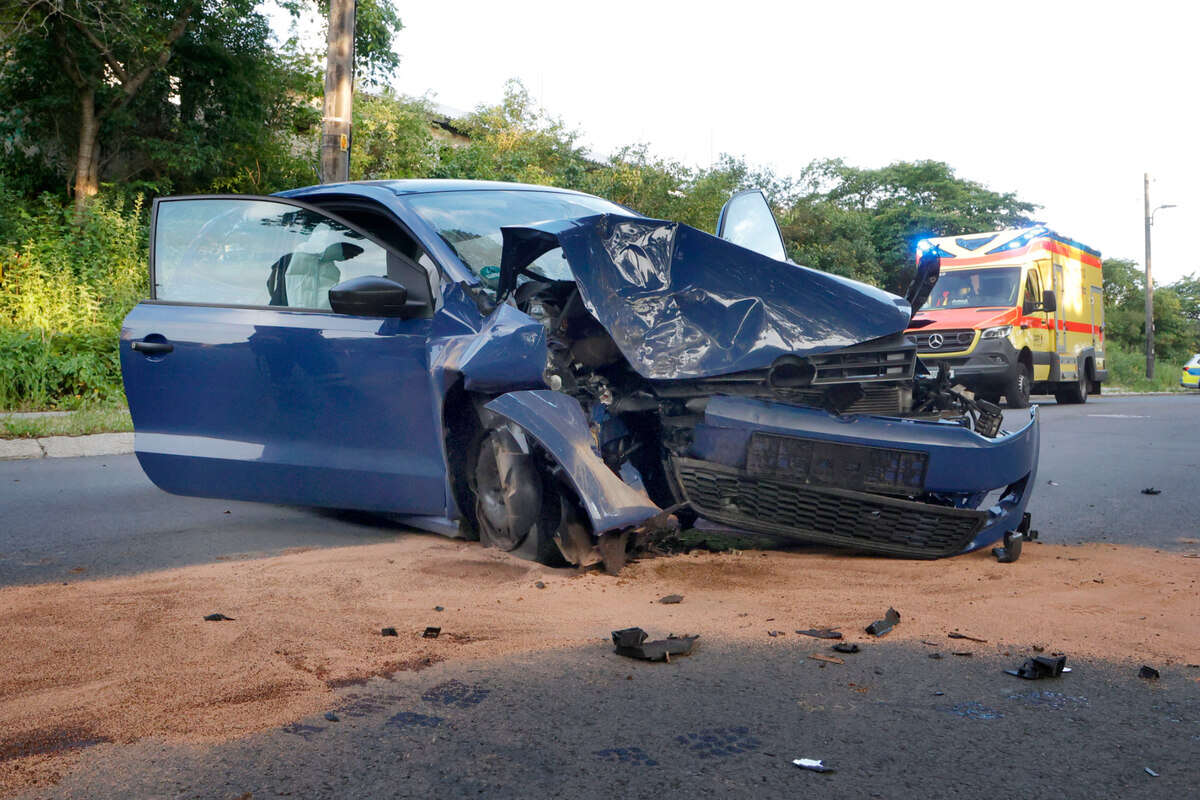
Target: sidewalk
(96,444)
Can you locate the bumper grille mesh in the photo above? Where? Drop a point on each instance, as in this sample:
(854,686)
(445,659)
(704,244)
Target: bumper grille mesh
(831,516)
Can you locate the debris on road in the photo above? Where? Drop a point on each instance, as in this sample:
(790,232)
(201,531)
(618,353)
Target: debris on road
(1149,673)
(1040,667)
(438,608)
(388,632)
(881,627)
(773,634)
(431,632)
(935,656)
(631,642)
(1151,773)
(218,618)
(957,635)
(1151,490)
(671,599)
(812,764)
(1052,483)
(822,633)
(963,653)
(826,659)
(332,717)
(539,584)
(846,647)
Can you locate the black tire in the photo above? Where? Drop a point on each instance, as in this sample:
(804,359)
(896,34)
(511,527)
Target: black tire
(1074,393)
(508,491)
(1018,388)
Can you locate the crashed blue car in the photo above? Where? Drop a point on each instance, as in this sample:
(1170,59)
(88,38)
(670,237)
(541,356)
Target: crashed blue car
(552,374)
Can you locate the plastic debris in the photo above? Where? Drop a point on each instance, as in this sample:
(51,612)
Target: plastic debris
(1151,490)
(388,632)
(935,655)
(671,599)
(812,764)
(332,717)
(1040,667)
(826,659)
(1151,773)
(218,618)
(1149,673)
(846,647)
(881,627)
(1052,483)
(957,635)
(539,584)
(431,632)
(438,608)
(773,634)
(966,653)
(631,642)
(822,633)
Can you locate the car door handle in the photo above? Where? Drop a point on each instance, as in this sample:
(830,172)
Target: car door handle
(153,348)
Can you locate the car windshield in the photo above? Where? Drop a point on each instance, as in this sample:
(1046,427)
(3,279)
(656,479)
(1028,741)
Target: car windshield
(975,288)
(469,222)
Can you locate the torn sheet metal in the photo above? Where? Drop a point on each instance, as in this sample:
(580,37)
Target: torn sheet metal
(680,303)
(882,627)
(631,642)
(557,421)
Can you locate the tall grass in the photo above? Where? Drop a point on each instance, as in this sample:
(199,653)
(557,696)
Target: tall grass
(1127,370)
(66,282)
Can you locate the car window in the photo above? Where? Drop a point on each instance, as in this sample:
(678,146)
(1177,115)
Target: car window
(747,220)
(1033,287)
(470,222)
(975,288)
(232,251)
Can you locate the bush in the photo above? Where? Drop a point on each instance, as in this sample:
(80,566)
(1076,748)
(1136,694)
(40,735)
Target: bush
(1127,370)
(66,283)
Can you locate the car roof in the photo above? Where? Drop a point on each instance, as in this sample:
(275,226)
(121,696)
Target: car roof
(426,185)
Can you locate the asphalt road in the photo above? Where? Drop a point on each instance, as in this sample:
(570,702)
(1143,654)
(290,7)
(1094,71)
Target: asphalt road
(721,723)
(66,519)
(724,722)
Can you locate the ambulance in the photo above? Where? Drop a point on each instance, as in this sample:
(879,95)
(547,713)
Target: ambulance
(1014,313)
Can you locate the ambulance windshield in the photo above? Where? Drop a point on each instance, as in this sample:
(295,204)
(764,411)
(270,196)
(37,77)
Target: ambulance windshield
(975,288)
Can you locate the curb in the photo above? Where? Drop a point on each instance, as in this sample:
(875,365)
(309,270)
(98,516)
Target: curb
(97,444)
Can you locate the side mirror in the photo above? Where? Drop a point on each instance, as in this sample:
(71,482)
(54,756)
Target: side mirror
(1049,303)
(929,268)
(369,296)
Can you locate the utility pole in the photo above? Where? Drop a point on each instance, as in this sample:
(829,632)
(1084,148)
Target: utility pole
(339,93)
(1149,287)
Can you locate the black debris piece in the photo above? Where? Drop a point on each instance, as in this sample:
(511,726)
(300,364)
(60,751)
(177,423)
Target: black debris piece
(846,647)
(812,764)
(1151,490)
(1149,673)
(957,635)
(218,618)
(881,627)
(438,608)
(431,633)
(671,599)
(935,655)
(631,642)
(540,584)
(963,653)
(822,633)
(1040,667)
(388,632)
(773,634)
(332,717)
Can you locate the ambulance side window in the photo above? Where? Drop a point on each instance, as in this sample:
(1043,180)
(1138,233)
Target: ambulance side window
(1033,292)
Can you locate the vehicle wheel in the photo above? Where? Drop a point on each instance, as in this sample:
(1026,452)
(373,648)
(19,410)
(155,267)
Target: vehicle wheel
(1076,392)
(508,491)
(1017,390)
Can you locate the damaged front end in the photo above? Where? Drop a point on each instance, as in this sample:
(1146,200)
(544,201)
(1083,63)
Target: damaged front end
(689,376)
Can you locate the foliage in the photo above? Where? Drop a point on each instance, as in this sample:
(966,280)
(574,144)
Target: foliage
(392,137)
(1176,324)
(77,423)
(1127,370)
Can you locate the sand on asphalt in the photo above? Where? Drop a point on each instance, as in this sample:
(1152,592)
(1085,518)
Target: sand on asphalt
(122,659)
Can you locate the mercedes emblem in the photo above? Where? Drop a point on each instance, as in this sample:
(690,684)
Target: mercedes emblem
(935,341)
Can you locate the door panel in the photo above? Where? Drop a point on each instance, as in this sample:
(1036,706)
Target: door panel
(277,404)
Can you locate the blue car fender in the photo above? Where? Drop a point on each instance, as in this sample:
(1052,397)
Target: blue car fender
(558,423)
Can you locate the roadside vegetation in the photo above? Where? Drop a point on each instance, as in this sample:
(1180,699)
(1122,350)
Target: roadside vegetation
(105,106)
(74,423)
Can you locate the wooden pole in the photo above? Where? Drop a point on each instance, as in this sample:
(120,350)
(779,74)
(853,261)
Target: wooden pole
(339,93)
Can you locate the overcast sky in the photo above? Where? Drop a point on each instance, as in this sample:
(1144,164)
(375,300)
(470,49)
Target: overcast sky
(1064,103)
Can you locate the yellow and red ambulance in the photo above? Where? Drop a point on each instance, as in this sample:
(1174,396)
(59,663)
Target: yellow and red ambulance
(1013,313)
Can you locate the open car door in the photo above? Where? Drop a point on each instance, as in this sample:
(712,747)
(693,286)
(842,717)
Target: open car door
(746,220)
(245,382)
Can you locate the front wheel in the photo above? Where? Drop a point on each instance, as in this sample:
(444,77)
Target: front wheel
(1017,389)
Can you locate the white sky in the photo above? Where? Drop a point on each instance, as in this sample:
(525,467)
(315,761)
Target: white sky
(1064,103)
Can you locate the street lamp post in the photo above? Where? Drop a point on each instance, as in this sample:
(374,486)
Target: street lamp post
(1149,282)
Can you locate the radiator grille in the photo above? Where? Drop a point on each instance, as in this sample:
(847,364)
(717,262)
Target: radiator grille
(831,516)
(853,366)
(946,341)
(886,400)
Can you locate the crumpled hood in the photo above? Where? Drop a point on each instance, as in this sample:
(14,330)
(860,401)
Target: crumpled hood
(681,303)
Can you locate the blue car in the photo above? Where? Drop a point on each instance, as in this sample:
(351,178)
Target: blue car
(552,374)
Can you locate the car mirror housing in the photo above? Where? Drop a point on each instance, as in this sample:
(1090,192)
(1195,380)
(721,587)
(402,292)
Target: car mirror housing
(1049,303)
(370,296)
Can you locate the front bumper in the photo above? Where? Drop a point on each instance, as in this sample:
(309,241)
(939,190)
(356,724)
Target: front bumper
(941,517)
(991,362)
